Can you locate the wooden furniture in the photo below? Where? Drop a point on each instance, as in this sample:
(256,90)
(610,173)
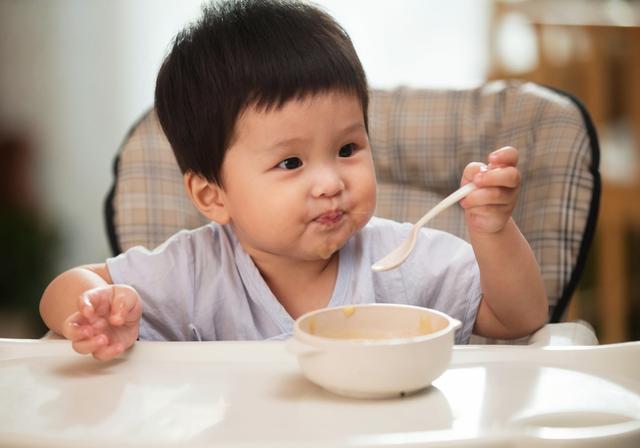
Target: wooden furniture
(592,49)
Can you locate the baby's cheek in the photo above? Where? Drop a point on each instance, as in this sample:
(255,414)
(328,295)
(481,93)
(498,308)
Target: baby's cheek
(365,215)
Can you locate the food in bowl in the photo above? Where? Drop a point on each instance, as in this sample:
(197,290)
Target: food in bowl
(373,350)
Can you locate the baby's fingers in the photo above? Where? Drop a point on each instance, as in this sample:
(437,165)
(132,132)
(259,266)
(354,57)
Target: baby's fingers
(108,352)
(471,170)
(507,156)
(125,307)
(91,345)
(95,302)
(490,197)
(75,327)
(508,177)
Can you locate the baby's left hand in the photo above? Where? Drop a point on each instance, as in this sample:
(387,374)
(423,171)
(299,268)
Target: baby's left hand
(489,208)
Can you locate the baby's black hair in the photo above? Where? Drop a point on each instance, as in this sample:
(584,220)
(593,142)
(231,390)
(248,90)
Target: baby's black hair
(248,53)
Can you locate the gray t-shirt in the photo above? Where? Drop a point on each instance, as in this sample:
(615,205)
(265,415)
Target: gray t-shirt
(201,284)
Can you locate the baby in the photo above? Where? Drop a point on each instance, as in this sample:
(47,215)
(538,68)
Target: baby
(265,106)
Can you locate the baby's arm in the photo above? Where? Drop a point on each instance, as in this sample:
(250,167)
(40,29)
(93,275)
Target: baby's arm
(514,300)
(99,318)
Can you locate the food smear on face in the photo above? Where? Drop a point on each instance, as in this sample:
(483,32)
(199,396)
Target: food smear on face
(327,251)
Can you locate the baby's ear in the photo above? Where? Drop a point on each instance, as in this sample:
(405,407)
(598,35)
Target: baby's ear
(207,196)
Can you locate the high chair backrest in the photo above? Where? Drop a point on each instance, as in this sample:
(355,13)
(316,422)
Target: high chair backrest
(421,140)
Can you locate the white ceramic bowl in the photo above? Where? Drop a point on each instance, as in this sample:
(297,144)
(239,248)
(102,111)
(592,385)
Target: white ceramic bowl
(374,350)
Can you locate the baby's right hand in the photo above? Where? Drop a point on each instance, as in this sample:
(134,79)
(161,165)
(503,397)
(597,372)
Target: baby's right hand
(106,323)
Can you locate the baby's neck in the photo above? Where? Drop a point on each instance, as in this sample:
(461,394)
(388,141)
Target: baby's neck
(302,286)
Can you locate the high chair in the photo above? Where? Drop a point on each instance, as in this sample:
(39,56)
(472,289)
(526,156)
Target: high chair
(421,141)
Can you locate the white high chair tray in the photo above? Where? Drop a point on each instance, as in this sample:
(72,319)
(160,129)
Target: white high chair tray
(238,394)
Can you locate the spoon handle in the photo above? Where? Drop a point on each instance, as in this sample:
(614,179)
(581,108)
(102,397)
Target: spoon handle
(397,256)
(447,202)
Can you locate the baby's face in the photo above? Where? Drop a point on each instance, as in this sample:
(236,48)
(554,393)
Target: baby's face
(299,180)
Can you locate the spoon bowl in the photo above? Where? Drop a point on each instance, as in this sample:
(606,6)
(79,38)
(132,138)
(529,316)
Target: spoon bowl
(397,256)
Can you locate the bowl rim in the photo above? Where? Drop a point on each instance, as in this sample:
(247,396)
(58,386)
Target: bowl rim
(303,336)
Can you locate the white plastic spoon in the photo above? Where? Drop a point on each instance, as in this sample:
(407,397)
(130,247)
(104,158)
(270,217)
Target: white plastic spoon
(396,257)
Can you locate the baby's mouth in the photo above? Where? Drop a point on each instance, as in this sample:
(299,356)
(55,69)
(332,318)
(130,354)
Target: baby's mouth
(330,218)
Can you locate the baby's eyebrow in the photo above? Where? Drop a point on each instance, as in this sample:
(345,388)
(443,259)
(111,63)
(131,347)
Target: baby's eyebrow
(358,126)
(298,141)
(287,142)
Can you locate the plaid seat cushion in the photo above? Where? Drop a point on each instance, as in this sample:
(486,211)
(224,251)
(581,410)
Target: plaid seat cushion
(421,141)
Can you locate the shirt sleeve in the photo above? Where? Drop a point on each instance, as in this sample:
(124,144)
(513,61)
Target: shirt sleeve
(163,278)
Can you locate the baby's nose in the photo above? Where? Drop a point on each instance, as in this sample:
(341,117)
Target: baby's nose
(327,183)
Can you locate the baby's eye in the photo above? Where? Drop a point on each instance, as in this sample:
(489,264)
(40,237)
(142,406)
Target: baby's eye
(347,150)
(290,164)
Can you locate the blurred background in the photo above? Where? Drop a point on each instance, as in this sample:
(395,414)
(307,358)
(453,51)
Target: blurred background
(75,76)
